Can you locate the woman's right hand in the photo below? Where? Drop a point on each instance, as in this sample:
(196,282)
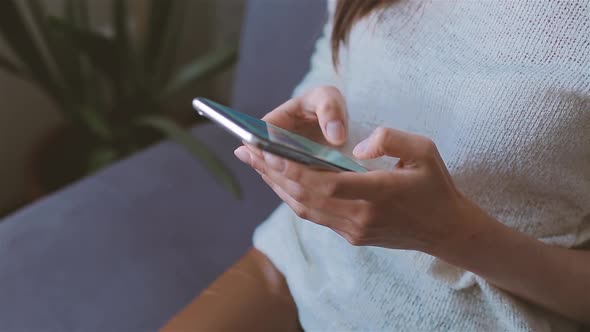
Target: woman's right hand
(319,114)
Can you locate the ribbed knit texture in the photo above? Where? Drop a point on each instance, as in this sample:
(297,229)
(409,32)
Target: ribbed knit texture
(503,88)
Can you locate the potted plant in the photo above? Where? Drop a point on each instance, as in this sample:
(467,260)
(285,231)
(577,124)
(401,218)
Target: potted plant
(114,88)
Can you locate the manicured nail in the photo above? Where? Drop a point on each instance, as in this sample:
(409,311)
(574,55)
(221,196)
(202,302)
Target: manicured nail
(242,154)
(361,147)
(273,161)
(335,130)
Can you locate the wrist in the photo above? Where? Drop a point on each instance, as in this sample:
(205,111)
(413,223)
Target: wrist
(471,228)
(480,241)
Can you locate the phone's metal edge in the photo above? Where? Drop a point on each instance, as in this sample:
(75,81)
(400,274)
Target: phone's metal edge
(205,110)
(319,163)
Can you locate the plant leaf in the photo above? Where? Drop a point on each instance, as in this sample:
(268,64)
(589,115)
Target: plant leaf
(165,64)
(208,65)
(98,48)
(20,39)
(67,63)
(69,12)
(92,86)
(100,157)
(170,129)
(159,17)
(72,15)
(72,57)
(95,122)
(99,56)
(119,21)
(11,67)
(82,14)
(120,26)
(65,58)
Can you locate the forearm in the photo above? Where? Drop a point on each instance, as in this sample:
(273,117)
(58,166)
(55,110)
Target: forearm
(552,277)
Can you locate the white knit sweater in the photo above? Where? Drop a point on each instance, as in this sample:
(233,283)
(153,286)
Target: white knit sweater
(503,88)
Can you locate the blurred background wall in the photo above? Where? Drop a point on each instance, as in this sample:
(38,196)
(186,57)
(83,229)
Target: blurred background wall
(26,115)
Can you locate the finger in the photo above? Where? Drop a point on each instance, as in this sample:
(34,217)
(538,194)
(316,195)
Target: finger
(350,209)
(328,103)
(342,185)
(286,115)
(253,150)
(394,143)
(315,216)
(243,154)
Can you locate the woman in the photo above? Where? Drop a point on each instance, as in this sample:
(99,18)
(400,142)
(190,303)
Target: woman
(480,223)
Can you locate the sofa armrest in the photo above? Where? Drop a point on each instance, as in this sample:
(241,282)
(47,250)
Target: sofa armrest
(127,248)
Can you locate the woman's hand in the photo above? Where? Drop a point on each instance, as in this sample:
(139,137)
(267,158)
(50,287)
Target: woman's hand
(417,206)
(319,114)
(414,206)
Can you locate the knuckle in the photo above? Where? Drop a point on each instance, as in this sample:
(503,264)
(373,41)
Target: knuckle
(297,193)
(297,99)
(298,102)
(326,99)
(427,147)
(321,203)
(258,165)
(334,94)
(358,212)
(314,93)
(361,228)
(365,217)
(292,171)
(330,89)
(331,189)
(381,134)
(354,239)
(330,107)
(300,211)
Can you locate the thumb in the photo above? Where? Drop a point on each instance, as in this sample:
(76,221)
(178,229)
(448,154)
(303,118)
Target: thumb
(393,143)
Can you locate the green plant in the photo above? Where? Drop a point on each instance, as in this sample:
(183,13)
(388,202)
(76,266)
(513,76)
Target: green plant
(114,88)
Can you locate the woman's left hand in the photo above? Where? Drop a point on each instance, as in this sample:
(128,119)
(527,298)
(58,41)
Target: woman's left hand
(414,206)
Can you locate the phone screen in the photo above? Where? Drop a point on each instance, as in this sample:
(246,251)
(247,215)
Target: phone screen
(286,138)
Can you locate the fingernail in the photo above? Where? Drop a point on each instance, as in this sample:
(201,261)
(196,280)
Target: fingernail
(361,147)
(242,154)
(335,130)
(273,161)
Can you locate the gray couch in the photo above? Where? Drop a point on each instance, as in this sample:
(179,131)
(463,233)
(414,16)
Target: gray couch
(125,249)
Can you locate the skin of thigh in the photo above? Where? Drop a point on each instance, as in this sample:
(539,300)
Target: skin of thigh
(252,295)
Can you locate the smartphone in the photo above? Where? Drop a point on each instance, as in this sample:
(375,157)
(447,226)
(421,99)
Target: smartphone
(275,140)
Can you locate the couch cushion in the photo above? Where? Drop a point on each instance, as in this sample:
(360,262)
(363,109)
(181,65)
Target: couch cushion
(128,247)
(277,41)
(125,249)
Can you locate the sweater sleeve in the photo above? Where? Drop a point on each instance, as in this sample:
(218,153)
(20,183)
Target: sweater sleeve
(322,71)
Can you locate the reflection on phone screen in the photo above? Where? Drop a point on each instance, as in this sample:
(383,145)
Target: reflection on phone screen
(288,139)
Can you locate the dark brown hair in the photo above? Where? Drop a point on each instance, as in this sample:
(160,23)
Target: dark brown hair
(346,14)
